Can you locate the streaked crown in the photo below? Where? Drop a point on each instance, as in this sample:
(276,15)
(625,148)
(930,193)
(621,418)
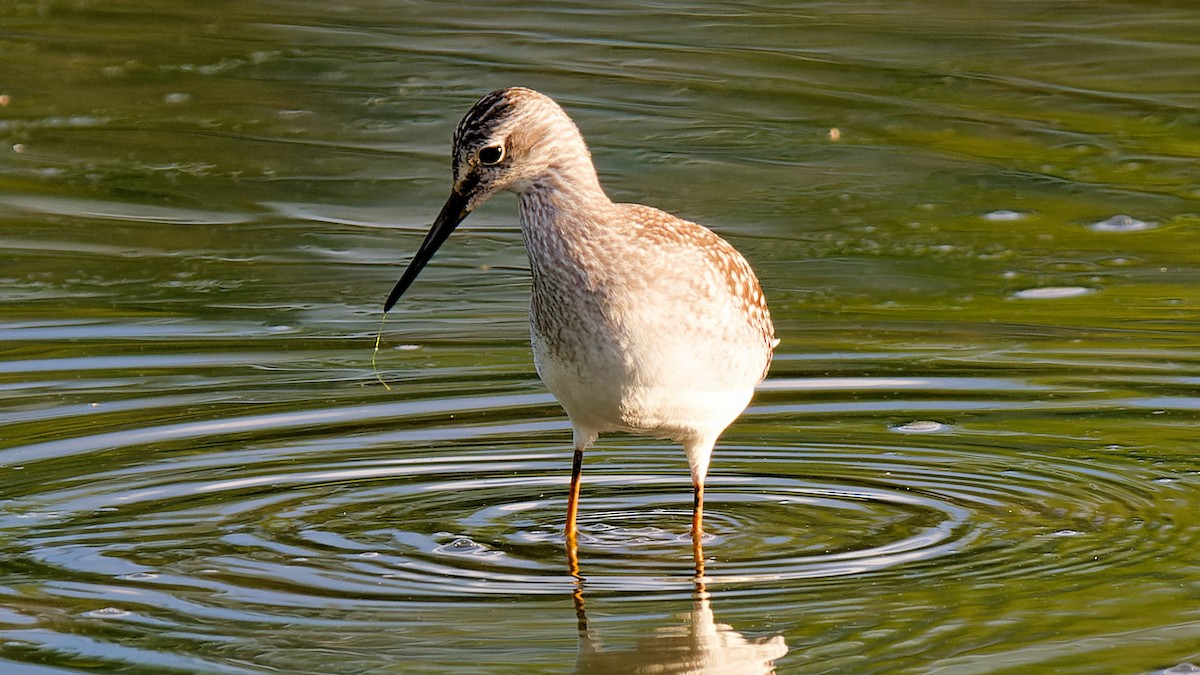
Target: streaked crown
(509,139)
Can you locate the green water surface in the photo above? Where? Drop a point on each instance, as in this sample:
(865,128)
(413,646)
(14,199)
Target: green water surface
(975,222)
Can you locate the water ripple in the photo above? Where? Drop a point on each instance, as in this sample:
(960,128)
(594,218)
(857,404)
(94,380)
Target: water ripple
(304,515)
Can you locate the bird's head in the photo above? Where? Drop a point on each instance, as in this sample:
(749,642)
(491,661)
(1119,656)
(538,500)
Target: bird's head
(509,140)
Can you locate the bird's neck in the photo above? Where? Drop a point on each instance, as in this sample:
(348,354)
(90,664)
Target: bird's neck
(566,221)
(565,201)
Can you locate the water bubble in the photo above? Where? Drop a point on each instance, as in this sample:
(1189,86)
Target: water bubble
(467,546)
(1121,223)
(920,427)
(140,576)
(1051,292)
(1003,215)
(1181,669)
(292,114)
(107,613)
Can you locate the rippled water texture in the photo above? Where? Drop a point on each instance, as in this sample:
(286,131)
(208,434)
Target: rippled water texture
(976,225)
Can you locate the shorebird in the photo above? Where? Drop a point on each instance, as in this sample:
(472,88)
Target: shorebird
(640,322)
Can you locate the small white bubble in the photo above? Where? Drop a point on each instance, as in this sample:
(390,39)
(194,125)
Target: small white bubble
(175,98)
(292,114)
(1121,223)
(920,427)
(1051,292)
(107,613)
(1181,669)
(140,576)
(1003,215)
(369,554)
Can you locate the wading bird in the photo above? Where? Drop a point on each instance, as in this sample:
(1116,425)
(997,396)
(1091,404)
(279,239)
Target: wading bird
(641,322)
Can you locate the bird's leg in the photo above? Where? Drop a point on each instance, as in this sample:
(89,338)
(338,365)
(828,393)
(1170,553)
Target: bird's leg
(698,451)
(698,532)
(577,591)
(573,498)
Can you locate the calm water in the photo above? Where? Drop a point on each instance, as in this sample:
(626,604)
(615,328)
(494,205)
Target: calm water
(975,452)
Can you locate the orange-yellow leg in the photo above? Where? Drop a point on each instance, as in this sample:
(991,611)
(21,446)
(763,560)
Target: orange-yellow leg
(698,530)
(573,498)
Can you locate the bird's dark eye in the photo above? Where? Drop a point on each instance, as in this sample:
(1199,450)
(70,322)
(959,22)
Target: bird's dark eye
(490,155)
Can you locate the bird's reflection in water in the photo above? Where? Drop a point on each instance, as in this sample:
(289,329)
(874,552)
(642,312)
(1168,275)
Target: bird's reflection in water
(698,644)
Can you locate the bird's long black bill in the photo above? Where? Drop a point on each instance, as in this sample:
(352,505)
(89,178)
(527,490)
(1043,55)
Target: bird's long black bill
(453,213)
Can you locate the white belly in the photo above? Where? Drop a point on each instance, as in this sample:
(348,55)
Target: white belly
(656,386)
(646,324)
